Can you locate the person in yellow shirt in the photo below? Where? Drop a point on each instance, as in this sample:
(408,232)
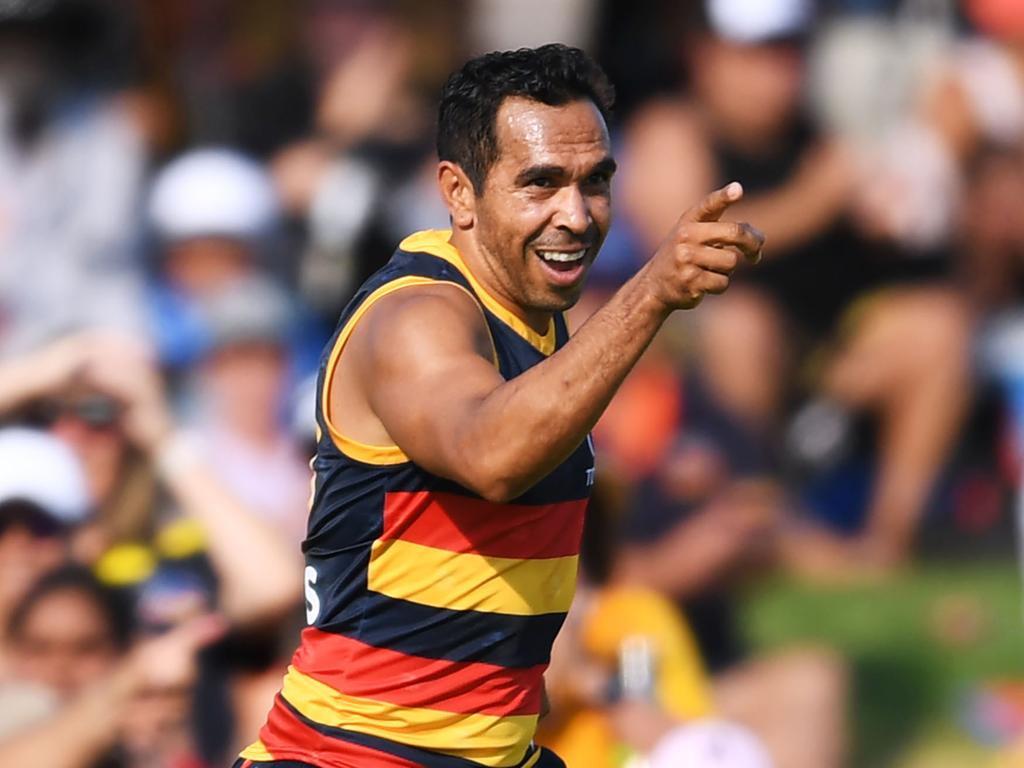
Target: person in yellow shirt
(625,668)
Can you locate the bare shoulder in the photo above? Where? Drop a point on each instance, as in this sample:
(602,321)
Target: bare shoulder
(417,359)
(435,319)
(667,120)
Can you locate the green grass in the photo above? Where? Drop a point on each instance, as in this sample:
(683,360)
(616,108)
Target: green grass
(914,643)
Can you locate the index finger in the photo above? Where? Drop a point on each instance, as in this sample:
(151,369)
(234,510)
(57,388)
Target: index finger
(713,206)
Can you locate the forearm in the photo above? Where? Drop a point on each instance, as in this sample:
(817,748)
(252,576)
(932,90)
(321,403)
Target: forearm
(526,426)
(76,736)
(791,216)
(259,574)
(20,382)
(710,547)
(805,205)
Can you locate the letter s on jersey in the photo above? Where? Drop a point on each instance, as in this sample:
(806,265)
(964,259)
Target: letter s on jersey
(312,599)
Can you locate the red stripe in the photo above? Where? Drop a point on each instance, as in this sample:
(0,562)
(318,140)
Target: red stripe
(357,669)
(286,738)
(460,524)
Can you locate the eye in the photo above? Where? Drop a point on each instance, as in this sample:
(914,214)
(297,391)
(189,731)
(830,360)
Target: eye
(597,181)
(542,182)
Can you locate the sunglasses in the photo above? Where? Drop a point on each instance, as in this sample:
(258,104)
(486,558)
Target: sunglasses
(95,411)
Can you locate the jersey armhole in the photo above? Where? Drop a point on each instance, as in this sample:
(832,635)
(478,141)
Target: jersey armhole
(354,449)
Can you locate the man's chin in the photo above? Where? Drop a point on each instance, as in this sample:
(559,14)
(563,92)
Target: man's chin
(559,299)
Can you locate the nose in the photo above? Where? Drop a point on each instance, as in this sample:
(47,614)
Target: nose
(573,212)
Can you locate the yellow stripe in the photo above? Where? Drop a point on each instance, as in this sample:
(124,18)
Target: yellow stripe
(460,582)
(369,454)
(436,242)
(488,739)
(258,751)
(533,760)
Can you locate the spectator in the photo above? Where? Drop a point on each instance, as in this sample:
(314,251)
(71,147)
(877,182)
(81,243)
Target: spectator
(43,496)
(377,67)
(971,100)
(113,706)
(244,381)
(258,572)
(212,210)
(70,171)
(701,511)
(621,650)
(824,288)
(216,220)
(213,213)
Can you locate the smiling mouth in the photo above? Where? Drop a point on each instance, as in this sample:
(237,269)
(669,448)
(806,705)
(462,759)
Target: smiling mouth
(562,260)
(564,268)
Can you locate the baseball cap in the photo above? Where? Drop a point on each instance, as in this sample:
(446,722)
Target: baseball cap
(39,469)
(213,192)
(754,22)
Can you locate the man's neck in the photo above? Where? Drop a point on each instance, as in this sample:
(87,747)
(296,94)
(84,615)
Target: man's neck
(484,266)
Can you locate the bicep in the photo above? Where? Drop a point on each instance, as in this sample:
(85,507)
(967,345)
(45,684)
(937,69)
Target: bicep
(428,363)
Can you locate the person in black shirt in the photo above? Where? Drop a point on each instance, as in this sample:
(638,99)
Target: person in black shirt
(845,315)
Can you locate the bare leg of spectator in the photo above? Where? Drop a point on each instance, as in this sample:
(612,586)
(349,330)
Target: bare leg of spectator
(795,701)
(743,353)
(907,361)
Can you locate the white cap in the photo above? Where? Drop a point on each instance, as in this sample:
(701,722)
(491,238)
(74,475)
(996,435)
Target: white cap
(758,21)
(709,744)
(213,192)
(39,468)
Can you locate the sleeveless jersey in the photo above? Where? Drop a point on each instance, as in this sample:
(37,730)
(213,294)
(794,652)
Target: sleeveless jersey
(431,611)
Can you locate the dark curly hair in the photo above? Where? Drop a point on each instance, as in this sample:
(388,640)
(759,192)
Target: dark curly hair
(552,74)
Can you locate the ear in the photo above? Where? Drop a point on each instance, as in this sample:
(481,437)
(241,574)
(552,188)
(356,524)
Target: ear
(458,193)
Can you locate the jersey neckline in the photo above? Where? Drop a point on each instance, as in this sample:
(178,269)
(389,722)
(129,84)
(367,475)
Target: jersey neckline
(437,242)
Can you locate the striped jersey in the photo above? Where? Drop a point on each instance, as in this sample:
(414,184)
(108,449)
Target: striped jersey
(431,611)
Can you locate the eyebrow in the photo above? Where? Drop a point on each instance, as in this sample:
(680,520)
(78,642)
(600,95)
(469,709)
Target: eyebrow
(605,165)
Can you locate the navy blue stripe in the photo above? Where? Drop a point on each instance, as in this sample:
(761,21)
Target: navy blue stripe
(427,759)
(440,633)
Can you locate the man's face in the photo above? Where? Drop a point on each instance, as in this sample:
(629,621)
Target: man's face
(545,206)
(30,545)
(65,643)
(754,88)
(202,266)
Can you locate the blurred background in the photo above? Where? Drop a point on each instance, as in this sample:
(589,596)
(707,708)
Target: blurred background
(805,515)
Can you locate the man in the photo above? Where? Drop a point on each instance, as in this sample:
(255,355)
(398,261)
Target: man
(454,462)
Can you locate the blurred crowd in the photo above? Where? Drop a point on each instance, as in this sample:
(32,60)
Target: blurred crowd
(191,191)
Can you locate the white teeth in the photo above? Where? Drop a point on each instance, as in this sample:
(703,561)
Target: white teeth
(562,255)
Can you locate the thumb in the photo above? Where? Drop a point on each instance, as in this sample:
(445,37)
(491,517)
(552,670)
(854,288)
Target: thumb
(713,206)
